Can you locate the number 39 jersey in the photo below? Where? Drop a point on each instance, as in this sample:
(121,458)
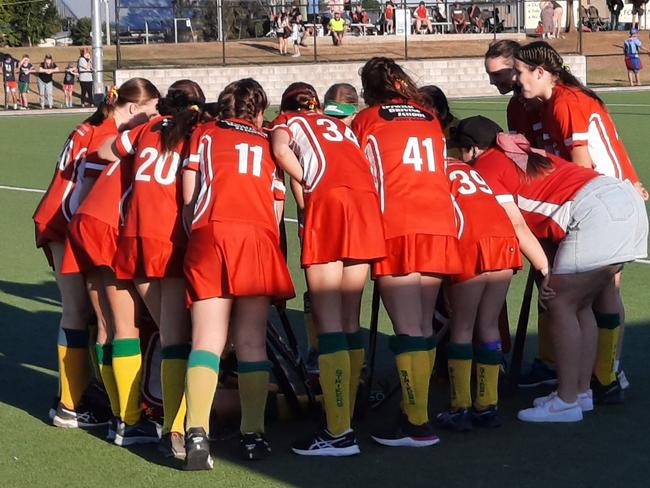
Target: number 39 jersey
(238,176)
(406,149)
(155,190)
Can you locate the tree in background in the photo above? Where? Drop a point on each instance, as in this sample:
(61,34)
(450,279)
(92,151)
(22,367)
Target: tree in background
(81,32)
(33,21)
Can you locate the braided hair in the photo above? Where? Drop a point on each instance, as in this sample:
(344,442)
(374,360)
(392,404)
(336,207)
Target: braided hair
(384,80)
(183,102)
(299,96)
(242,99)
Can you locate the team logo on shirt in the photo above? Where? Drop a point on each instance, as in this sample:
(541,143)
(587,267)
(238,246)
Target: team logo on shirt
(229,124)
(402,111)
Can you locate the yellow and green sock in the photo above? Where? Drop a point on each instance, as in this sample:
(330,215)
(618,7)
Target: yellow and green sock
(253,393)
(74,365)
(127,368)
(334,364)
(414,369)
(173,370)
(105,364)
(200,387)
(609,329)
(488,365)
(357,355)
(459,366)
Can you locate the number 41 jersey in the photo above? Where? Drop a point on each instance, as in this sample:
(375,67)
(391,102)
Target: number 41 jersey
(406,149)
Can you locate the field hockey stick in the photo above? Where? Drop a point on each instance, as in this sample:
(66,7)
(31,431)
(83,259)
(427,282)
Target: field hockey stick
(372,348)
(522,329)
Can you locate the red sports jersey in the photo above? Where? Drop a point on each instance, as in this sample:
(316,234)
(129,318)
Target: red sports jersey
(572,119)
(406,149)
(545,201)
(93,165)
(61,200)
(522,120)
(238,176)
(155,191)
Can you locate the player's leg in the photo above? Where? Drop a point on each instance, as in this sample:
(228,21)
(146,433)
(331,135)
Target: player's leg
(249,336)
(430,286)
(150,290)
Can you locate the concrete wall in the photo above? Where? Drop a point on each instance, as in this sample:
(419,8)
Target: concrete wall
(456,77)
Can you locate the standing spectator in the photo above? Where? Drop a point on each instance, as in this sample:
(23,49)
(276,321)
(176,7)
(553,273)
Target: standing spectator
(68,83)
(25,68)
(45,85)
(389,18)
(631,48)
(85,71)
(459,19)
(9,80)
(296,35)
(615,7)
(422,16)
(283,31)
(557,19)
(546,15)
(337,28)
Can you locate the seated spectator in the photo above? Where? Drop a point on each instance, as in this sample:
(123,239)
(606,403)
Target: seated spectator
(337,29)
(474,14)
(421,15)
(359,16)
(459,19)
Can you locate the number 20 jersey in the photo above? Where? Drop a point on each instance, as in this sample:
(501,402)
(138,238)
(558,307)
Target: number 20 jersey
(406,149)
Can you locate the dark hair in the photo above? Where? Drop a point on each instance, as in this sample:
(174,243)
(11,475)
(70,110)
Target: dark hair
(384,80)
(135,90)
(299,96)
(540,53)
(342,93)
(504,48)
(435,100)
(184,102)
(242,99)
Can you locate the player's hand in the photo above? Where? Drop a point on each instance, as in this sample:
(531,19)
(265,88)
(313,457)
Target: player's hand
(545,291)
(638,186)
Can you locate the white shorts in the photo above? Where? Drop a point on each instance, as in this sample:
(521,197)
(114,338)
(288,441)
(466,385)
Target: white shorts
(608,225)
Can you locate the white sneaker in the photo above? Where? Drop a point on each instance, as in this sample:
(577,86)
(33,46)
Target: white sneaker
(554,410)
(295,55)
(585,400)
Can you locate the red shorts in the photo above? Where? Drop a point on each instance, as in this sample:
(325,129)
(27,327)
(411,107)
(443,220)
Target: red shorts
(143,257)
(91,243)
(68,88)
(235,259)
(419,253)
(488,254)
(12,85)
(343,224)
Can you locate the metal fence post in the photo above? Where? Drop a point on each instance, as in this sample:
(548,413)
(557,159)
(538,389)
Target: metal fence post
(118,53)
(222,32)
(407,28)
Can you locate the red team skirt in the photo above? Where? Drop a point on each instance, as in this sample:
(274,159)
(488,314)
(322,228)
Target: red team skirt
(91,243)
(487,254)
(343,224)
(235,259)
(143,257)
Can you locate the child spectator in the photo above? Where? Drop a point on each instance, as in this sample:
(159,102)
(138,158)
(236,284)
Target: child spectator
(389,18)
(68,83)
(9,80)
(45,86)
(296,34)
(631,48)
(422,17)
(25,68)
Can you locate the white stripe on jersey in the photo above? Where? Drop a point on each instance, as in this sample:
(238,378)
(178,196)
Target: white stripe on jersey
(460,218)
(376,167)
(278,185)
(505,198)
(601,152)
(205,171)
(70,205)
(126,142)
(96,166)
(309,152)
(560,214)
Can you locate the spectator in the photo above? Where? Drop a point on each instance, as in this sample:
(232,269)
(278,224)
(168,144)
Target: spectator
(359,16)
(557,19)
(25,68)
(421,15)
(68,83)
(474,14)
(46,71)
(459,19)
(312,10)
(297,32)
(546,8)
(85,72)
(637,11)
(615,7)
(9,79)
(631,48)
(389,18)
(441,6)
(337,29)
(283,32)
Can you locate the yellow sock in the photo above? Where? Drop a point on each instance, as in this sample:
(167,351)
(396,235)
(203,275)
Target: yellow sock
(310,323)
(200,387)
(127,368)
(488,364)
(173,371)
(432,344)
(105,363)
(609,328)
(357,354)
(414,370)
(253,392)
(74,365)
(334,364)
(459,365)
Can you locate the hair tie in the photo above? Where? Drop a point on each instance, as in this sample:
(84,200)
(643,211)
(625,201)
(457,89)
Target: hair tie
(112,96)
(195,108)
(566,68)
(312,103)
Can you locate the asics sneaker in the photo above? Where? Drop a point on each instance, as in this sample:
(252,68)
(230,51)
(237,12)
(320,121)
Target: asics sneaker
(488,417)
(144,432)
(325,444)
(197,450)
(459,420)
(406,434)
(172,445)
(539,374)
(81,417)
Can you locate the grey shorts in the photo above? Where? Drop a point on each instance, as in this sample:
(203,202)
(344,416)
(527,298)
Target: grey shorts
(608,225)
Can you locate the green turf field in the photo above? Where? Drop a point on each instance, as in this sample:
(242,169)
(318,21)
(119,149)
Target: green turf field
(610,447)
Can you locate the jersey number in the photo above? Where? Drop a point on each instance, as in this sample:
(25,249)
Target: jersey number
(244,154)
(413,154)
(470,183)
(333,134)
(165,169)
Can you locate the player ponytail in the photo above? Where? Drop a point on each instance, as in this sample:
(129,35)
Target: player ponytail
(242,99)
(299,96)
(541,54)
(135,90)
(384,80)
(184,103)
(434,99)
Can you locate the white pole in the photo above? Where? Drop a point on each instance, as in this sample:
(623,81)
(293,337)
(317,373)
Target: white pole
(175,32)
(107,20)
(98,52)
(146,32)
(219,14)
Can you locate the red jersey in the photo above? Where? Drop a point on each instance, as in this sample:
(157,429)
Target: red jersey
(524,121)
(155,190)
(61,200)
(406,149)
(328,152)
(93,165)
(545,201)
(238,175)
(571,119)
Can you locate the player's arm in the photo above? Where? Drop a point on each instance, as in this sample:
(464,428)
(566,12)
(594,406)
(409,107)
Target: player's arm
(283,154)
(580,156)
(108,150)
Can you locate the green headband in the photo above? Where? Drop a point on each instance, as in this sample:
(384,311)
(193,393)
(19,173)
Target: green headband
(339,109)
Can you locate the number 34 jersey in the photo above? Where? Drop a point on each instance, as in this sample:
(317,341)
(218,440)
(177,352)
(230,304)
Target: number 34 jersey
(406,149)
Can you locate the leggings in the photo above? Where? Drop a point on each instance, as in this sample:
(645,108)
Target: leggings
(86,92)
(45,92)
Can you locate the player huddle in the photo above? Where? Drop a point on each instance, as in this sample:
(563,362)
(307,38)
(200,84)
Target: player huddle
(171,203)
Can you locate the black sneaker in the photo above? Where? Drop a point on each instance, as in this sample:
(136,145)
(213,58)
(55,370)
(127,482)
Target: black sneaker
(113,422)
(539,374)
(144,432)
(612,394)
(172,445)
(458,420)
(406,434)
(488,418)
(197,450)
(325,444)
(253,446)
(82,416)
